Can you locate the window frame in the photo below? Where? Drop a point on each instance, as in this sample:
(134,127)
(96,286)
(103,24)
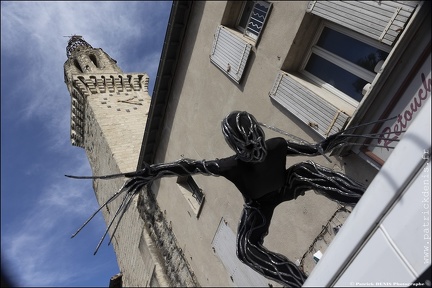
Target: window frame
(339,61)
(240,16)
(244,30)
(191,190)
(196,191)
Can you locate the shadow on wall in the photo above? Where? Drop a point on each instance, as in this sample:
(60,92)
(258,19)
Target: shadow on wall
(179,75)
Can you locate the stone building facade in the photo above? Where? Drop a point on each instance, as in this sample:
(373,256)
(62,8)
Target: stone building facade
(108,115)
(283,73)
(181,231)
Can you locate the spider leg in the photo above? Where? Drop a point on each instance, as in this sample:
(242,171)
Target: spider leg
(342,138)
(98,177)
(385,133)
(369,145)
(368,136)
(136,190)
(125,200)
(100,208)
(132,191)
(365,136)
(369,123)
(112,176)
(110,224)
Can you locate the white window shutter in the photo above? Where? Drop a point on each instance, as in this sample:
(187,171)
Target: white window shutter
(230,53)
(313,110)
(380,20)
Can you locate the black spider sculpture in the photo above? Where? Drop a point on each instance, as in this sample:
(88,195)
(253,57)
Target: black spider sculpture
(258,171)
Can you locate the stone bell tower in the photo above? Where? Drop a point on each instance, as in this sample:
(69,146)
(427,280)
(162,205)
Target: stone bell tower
(102,95)
(108,117)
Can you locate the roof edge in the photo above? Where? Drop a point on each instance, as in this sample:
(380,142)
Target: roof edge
(178,22)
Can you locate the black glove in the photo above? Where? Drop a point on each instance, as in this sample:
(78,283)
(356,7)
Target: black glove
(331,142)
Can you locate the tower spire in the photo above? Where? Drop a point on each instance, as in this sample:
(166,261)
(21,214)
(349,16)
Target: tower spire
(75,42)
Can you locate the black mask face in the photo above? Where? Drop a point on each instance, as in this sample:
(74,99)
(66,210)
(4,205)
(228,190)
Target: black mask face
(245,136)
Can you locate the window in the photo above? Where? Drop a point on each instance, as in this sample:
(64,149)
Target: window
(379,20)
(252,18)
(94,60)
(230,53)
(192,193)
(344,62)
(241,26)
(77,65)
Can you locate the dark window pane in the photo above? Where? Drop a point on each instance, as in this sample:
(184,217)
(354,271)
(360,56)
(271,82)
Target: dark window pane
(257,18)
(337,77)
(351,49)
(246,13)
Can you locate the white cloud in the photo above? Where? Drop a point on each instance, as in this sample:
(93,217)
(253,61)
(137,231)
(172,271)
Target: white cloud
(37,37)
(37,244)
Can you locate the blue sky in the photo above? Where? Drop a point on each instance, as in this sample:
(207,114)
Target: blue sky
(40,208)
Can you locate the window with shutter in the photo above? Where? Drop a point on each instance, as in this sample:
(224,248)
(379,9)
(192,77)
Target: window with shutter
(192,193)
(252,18)
(333,78)
(241,27)
(310,108)
(230,53)
(344,61)
(379,20)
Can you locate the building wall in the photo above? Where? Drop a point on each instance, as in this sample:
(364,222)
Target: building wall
(108,113)
(201,96)
(143,239)
(112,144)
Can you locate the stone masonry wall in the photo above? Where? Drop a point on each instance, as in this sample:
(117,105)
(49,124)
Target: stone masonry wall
(102,162)
(113,135)
(108,116)
(143,223)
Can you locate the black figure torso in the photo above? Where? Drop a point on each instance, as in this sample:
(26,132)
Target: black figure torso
(253,179)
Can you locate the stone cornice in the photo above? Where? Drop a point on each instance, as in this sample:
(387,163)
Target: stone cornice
(84,86)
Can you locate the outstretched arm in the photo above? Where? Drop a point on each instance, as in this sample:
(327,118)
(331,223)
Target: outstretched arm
(139,179)
(339,139)
(307,149)
(321,148)
(182,167)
